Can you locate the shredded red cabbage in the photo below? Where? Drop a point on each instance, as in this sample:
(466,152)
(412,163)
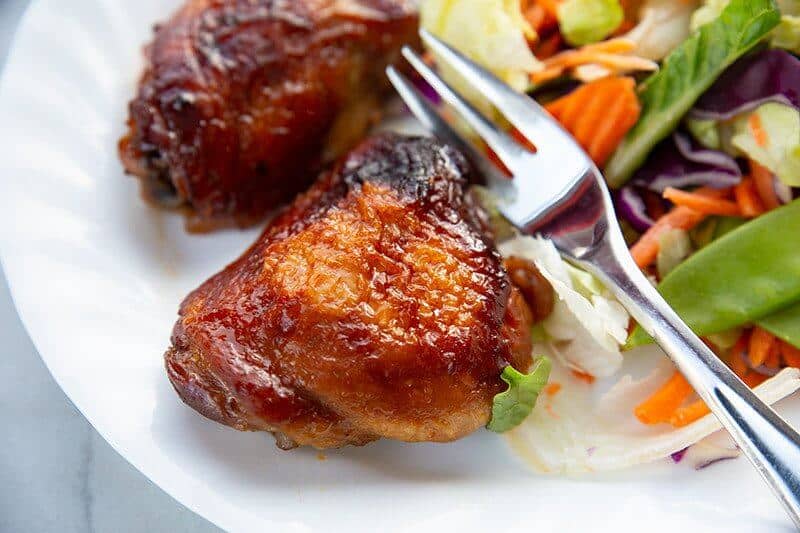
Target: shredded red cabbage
(724,456)
(675,162)
(631,207)
(681,162)
(766,76)
(425,88)
(678,456)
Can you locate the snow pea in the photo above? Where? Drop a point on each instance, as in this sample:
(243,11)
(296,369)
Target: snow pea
(747,274)
(784,324)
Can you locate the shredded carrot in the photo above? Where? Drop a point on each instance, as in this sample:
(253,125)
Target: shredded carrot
(683,416)
(550,7)
(540,15)
(738,354)
(630,8)
(622,62)
(535,15)
(761,342)
(645,250)
(660,406)
(757,129)
(754,379)
(574,58)
(522,140)
(591,61)
(765,184)
(619,45)
(654,204)
(701,203)
(611,46)
(739,366)
(626,26)
(548,47)
(494,158)
(742,352)
(599,114)
(748,199)
(583,376)
(547,74)
(552,389)
(791,354)
(773,359)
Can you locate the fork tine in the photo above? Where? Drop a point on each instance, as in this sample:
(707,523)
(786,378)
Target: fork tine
(523,112)
(507,149)
(430,118)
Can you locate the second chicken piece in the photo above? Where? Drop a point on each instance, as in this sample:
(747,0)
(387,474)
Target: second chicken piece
(243,101)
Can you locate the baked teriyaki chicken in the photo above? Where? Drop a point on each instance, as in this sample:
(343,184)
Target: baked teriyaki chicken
(242,102)
(375,306)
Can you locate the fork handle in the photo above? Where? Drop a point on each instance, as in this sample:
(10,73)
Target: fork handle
(767,440)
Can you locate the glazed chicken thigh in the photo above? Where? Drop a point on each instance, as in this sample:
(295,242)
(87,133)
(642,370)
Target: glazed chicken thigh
(375,306)
(242,102)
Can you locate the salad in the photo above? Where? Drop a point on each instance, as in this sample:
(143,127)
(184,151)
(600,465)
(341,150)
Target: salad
(692,111)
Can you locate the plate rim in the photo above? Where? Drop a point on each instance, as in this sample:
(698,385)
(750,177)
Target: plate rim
(239,519)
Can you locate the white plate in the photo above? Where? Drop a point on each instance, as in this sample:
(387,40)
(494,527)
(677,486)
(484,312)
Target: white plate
(97,277)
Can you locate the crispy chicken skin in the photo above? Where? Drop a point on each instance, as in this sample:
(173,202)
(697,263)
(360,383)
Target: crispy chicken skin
(374,306)
(243,101)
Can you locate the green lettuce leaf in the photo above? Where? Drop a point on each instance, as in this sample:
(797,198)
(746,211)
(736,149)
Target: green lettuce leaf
(511,407)
(588,21)
(687,72)
(786,35)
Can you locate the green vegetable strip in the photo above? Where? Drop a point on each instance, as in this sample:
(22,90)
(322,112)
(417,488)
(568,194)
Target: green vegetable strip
(750,273)
(511,407)
(784,324)
(686,73)
(588,21)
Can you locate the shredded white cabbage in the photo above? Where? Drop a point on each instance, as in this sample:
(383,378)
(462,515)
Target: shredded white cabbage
(781,154)
(493,33)
(663,25)
(591,427)
(781,126)
(586,428)
(587,325)
(710,10)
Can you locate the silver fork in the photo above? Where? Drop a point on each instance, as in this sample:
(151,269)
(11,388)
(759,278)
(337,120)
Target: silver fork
(560,194)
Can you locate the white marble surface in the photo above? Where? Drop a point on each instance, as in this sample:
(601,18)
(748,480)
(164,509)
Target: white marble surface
(56,473)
